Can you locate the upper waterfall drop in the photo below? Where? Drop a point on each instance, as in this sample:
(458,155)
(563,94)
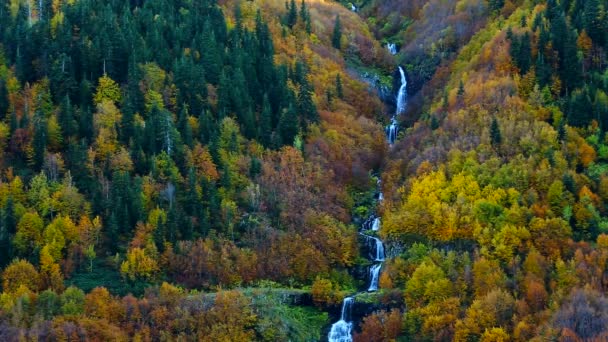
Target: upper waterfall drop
(376,224)
(402,94)
(392,48)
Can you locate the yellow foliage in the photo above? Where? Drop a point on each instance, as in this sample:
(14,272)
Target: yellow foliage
(138,265)
(107,90)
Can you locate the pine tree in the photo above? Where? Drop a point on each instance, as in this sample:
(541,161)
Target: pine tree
(288,125)
(3,99)
(593,21)
(336,36)
(66,119)
(183,125)
(525,53)
(211,51)
(495,135)
(306,106)
(265,123)
(460,93)
(339,91)
(305,17)
(292,14)
(496,5)
(40,139)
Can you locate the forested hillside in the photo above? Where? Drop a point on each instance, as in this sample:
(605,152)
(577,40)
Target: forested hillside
(497,205)
(156,149)
(218,170)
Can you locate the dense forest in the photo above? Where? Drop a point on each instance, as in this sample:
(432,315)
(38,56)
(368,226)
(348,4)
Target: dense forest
(215,170)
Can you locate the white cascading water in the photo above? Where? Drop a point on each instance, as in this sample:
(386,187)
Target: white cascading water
(402,94)
(392,128)
(374,273)
(341,330)
(379,250)
(392,48)
(391,131)
(376,224)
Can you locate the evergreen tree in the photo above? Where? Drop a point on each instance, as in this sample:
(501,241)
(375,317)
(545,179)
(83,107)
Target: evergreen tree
(460,93)
(288,125)
(66,119)
(495,135)
(593,21)
(3,99)
(306,106)
(183,125)
(211,53)
(292,14)
(265,123)
(40,139)
(8,228)
(339,91)
(305,17)
(336,36)
(496,5)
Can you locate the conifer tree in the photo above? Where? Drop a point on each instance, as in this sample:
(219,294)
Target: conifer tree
(336,36)
(495,135)
(306,106)
(265,123)
(339,91)
(460,93)
(288,125)
(292,14)
(40,139)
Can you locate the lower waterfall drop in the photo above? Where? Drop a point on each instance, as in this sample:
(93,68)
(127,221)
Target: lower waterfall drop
(341,330)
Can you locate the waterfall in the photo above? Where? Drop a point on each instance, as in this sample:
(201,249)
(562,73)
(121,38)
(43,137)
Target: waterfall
(402,95)
(393,127)
(376,224)
(380,197)
(341,330)
(353,7)
(392,48)
(379,250)
(374,273)
(391,131)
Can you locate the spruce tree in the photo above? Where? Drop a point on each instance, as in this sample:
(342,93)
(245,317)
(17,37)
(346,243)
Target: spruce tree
(66,119)
(40,139)
(292,14)
(306,106)
(288,125)
(594,24)
(305,17)
(336,36)
(460,93)
(183,125)
(265,123)
(495,135)
(339,90)
(3,99)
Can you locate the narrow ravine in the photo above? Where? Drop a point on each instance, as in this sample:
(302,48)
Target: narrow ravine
(341,331)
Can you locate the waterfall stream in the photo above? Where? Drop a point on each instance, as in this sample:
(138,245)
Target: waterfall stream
(393,127)
(341,331)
